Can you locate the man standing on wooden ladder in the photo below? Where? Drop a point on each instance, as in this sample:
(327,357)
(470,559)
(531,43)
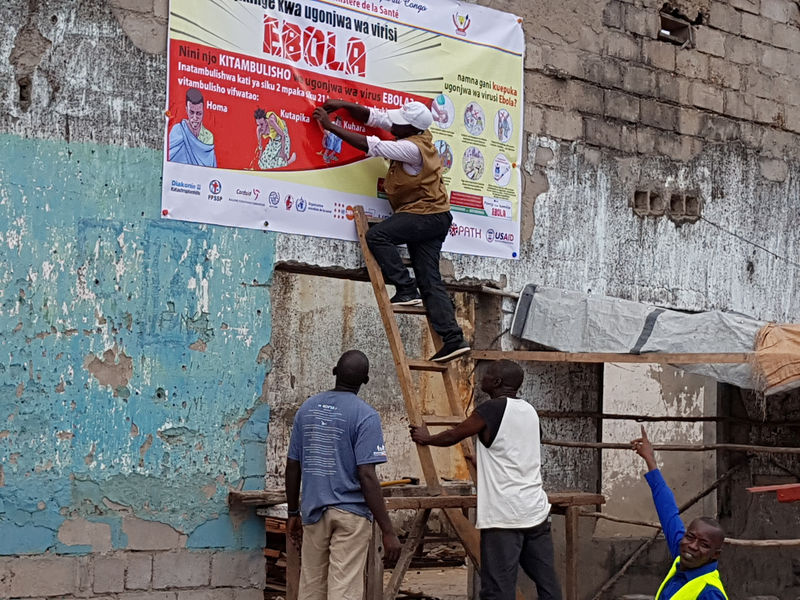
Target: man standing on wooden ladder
(513,510)
(421,218)
(335,444)
(693,574)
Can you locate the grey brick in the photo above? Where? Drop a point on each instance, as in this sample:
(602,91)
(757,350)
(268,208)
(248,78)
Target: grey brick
(692,64)
(209,594)
(659,115)
(181,569)
(673,88)
(690,121)
(722,16)
(139,572)
(584,97)
(719,129)
(775,59)
(782,11)
(603,71)
(739,105)
(724,74)
(601,133)
(620,105)
(148,596)
(752,6)
(542,89)
(642,22)
(710,41)
(767,111)
(533,55)
(786,36)
(756,27)
(150,535)
(562,61)
(646,139)
(773,169)
(639,80)
(659,55)
(533,118)
(237,569)
(741,50)
(248,594)
(706,96)
(562,125)
(622,46)
(109,574)
(612,14)
(793,120)
(678,147)
(758,83)
(27,578)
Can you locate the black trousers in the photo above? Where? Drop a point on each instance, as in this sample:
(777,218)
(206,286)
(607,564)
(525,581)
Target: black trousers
(504,550)
(424,235)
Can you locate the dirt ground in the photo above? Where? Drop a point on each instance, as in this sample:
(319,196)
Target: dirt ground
(440,584)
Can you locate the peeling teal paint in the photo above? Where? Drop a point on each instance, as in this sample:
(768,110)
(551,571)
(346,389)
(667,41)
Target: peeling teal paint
(103,404)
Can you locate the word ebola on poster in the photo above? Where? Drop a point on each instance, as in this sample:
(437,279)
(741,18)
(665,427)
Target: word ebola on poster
(242,149)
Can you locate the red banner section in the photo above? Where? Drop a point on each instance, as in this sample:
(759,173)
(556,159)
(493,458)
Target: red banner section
(233,111)
(466,200)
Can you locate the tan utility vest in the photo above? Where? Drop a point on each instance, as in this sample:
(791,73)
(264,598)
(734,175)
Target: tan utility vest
(423,193)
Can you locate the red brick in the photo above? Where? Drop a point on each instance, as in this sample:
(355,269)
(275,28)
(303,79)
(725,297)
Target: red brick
(756,27)
(710,41)
(620,105)
(722,16)
(724,74)
(692,64)
(659,55)
(706,96)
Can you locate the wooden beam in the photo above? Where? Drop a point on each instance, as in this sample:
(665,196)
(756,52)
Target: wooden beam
(441,420)
(424,502)
(406,554)
(682,358)
(677,447)
(292,569)
(373,574)
(571,551)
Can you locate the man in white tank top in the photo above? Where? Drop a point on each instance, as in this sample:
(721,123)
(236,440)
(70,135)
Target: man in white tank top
(513,509)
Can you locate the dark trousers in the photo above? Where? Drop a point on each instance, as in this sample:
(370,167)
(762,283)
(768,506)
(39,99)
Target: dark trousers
(424,235)
(504,550)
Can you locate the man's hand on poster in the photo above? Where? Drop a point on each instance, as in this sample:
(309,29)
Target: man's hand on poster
(332,105)
(321,115)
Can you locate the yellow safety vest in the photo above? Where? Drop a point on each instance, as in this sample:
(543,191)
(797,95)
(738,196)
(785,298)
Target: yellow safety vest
(691,590)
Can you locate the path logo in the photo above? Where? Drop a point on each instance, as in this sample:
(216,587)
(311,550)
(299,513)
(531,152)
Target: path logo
(462,23)
(289,202)
(215,187)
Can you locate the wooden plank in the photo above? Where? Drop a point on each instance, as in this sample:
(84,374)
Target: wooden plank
(423,502)
(426,365)
(575,498)
(682,358)
(772,488)
(571,550)
(466,532)
(409,310)
(396,346)
(406,554)
(441,420)
(292,569)
(677,447)
(457,409)
(373,575)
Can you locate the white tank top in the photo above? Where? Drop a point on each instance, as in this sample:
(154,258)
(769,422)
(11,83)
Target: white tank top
(510,492)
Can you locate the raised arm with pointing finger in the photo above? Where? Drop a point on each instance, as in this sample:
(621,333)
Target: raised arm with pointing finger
(695,550)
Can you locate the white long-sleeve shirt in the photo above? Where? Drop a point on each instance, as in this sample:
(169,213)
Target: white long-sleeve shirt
(402,150)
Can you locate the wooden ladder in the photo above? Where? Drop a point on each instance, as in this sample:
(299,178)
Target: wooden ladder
(463,528)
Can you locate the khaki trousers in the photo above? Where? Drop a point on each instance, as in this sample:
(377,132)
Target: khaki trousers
(333,556)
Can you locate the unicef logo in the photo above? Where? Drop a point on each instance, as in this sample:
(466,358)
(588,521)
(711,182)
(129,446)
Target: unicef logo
(301,206)
(215,187)
(274,198)
(490,235)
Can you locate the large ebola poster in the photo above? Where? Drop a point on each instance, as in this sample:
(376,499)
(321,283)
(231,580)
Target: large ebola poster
(242,149)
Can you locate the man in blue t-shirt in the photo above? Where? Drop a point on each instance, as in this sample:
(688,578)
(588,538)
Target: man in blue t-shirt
(695,550)
(336,443)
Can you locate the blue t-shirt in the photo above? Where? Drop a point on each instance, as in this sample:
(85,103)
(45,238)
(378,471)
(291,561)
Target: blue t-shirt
(333,433)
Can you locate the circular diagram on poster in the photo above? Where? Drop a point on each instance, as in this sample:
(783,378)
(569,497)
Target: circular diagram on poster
(501,170)
(443,111)
(445,153)
(474,118)
(473,163)
(503,127)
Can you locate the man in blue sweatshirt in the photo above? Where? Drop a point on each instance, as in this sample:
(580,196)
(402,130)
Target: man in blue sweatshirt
(695,550)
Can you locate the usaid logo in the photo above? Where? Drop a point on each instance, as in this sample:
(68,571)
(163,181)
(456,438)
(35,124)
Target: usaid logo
(499,236)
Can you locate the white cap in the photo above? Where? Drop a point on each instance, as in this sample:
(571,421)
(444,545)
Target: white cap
(412,113)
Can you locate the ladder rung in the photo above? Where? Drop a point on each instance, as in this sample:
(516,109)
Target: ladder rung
(426,365)
(409,310)
(441,419)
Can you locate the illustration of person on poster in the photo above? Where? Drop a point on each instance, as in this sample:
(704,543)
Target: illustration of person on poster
(274,145)
(331,144)
(189,142)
